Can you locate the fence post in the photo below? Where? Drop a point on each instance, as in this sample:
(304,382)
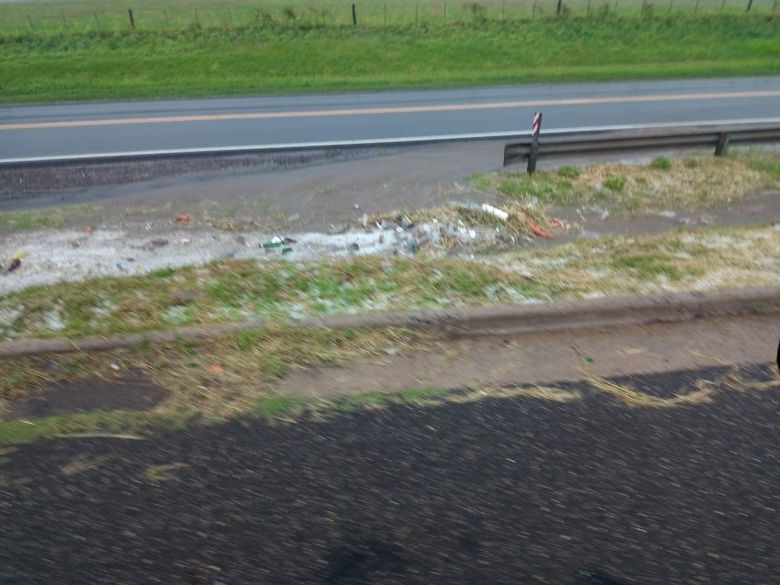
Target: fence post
(97,20)
(750,5)
(385,13)
(416,13)
(558,9)
(536,127)
(588,10)
(445,13)
(132,20)
(354,16)
(696,8)
(723,144)
(722,5)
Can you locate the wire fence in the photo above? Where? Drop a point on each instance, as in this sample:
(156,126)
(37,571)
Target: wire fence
(148,15)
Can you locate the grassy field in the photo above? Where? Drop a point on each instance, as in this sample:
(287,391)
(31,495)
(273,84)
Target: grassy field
(83,61)
(102,15)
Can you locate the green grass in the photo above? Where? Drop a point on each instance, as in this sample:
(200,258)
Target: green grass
(45,218)
(99,15)
(197,61)
(634,189)
(271,407)
(240,289)
(24,431)
(661,163)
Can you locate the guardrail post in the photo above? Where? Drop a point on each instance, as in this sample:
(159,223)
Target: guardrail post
(132,20)
(532,156)
(536,128)
(750,5)
(354,16)
(723,144)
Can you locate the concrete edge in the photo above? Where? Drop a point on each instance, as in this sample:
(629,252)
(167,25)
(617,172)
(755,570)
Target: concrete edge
(484,320)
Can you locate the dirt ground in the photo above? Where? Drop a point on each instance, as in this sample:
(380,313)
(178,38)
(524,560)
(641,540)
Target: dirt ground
(519,490)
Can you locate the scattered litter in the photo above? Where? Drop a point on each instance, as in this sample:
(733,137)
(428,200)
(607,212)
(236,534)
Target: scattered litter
(495,211)
(604,214)
(354,247)
(670,213)
(406,223)
(216,369)
(241,240)
(115,367)
(542,233)
(533,201)
(287,241)
(555,222)
(184,241)
(294,217)
(15,263)
(286,251)
(391,350)
(182,218)
(706,218)
(338,228)
(275,242)
(156,243)
(364,221)
(357,206)
(89,229)
(120,267)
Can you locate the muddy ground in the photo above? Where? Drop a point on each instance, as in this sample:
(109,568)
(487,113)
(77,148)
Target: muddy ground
(498,491)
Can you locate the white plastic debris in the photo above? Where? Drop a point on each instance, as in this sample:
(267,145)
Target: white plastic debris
(495,211)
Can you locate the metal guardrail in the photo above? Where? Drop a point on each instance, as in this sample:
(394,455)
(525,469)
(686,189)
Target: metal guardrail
(719,137)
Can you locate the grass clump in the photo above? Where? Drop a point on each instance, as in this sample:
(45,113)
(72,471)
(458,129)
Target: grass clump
(569,171)
(661,163)
(282,54)
(632,189)
(615,183)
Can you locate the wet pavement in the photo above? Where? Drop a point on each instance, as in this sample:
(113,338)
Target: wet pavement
(512,490)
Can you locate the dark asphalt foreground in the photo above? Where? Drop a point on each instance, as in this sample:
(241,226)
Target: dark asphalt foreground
(514,491)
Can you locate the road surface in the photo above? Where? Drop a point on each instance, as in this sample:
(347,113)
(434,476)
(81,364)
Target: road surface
(499,491)
(532,490)
(102,128)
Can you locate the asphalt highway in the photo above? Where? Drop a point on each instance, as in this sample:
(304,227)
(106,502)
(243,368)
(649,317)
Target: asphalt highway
(28,131)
